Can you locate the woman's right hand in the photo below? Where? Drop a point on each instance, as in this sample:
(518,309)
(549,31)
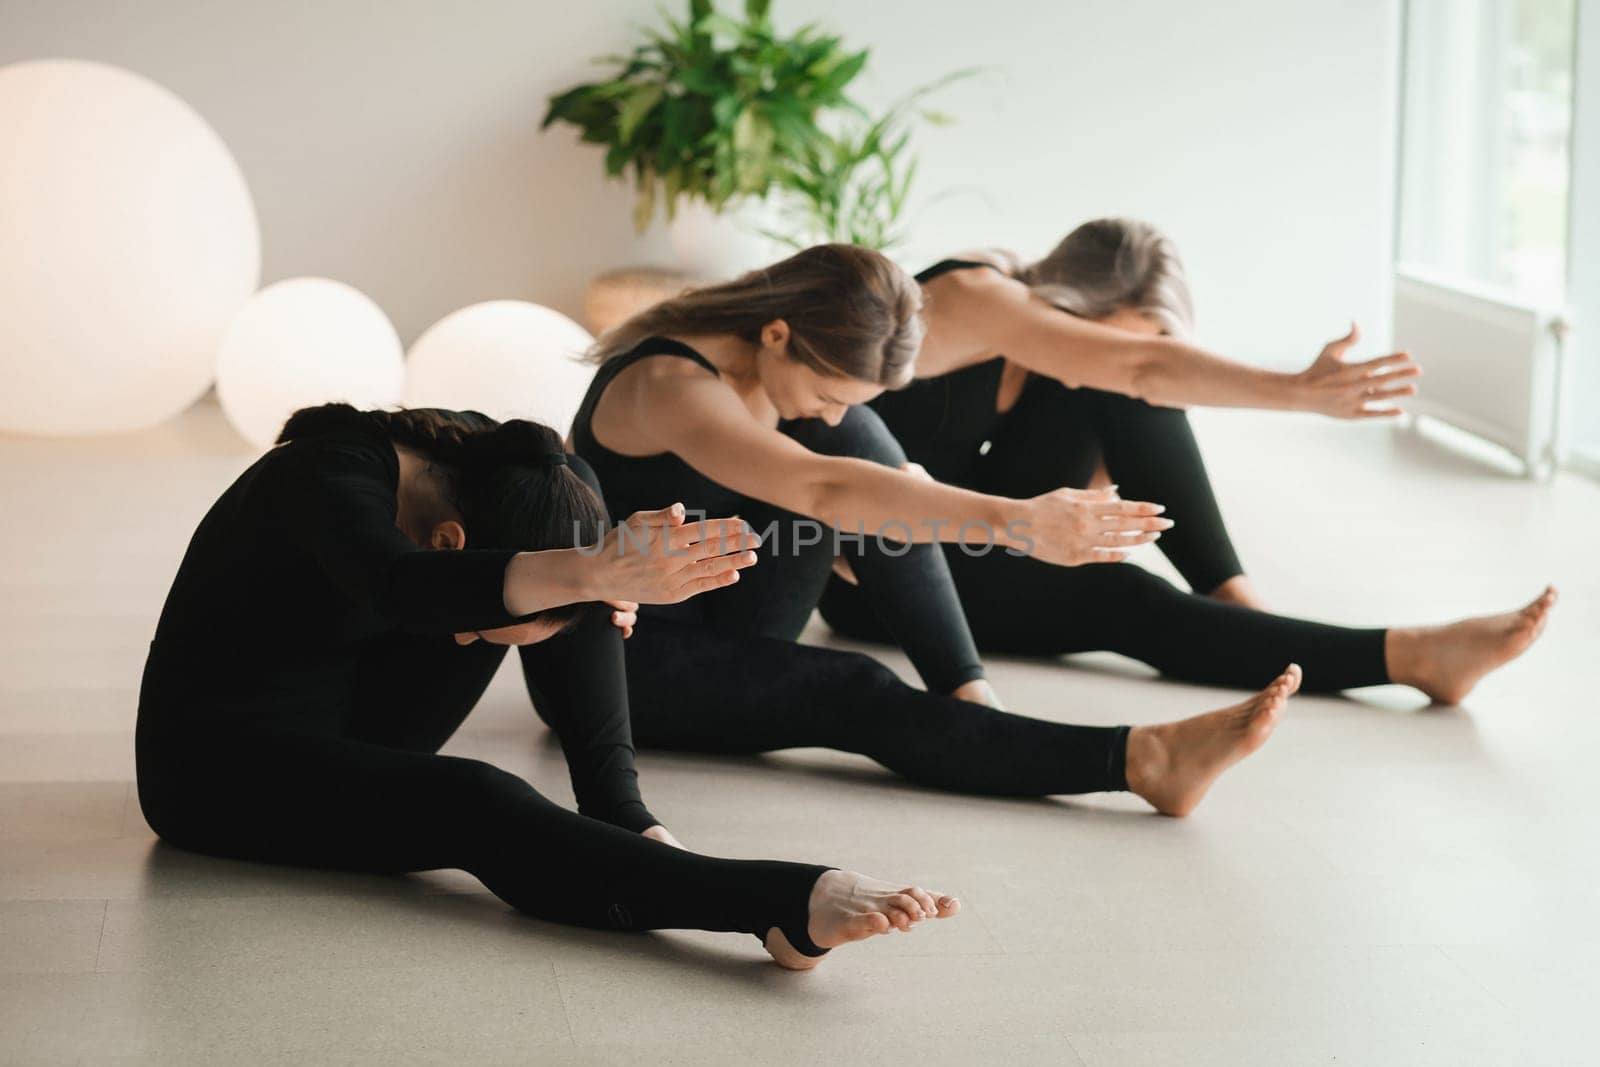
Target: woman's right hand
(1072,526)
(654,557)
(1343,390)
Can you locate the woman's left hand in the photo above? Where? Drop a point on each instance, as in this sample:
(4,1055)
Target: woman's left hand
(1343,390)
(662,834)
(625,617)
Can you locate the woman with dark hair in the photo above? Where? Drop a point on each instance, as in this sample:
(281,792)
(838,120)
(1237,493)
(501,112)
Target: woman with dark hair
(747,398)
(1037,376)
(340,610)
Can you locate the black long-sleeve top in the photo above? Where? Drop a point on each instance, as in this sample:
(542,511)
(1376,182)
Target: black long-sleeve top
(299,568)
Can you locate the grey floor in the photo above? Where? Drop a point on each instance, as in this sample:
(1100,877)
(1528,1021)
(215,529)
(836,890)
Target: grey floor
(1384,883)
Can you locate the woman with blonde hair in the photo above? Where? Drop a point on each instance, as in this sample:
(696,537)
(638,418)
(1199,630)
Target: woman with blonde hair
(1035,376)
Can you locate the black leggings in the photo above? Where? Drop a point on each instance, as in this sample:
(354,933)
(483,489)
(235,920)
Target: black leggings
(728,677)
(1056,436)
(295,773)
(912,592)
(697,690)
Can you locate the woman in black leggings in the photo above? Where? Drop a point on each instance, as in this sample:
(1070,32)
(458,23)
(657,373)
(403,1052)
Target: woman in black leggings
(332,624)
(745,399)
(1041,376)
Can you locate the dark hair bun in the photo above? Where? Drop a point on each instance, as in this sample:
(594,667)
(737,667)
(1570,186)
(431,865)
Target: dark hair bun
(515,443)
(326,419)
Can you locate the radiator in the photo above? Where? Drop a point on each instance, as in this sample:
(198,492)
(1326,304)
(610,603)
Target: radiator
(1492,361)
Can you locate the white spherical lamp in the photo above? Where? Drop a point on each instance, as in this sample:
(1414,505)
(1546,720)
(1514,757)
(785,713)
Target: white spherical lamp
(506,358)
(302,342)
(127,241)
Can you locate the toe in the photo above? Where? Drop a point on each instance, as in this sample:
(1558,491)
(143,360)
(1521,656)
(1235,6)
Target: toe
(948,906)
(907,901)
(924,900)
(875,923)
(907,905)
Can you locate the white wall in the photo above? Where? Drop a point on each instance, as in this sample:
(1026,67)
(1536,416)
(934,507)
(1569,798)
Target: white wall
(395,145)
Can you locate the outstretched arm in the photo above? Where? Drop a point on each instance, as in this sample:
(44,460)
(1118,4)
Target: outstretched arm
(335,497)
(694,415)
(985,311)
(654,557)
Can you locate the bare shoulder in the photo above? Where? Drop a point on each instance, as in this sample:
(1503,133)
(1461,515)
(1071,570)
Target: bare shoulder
(622,418)
(660,374)
(963,310)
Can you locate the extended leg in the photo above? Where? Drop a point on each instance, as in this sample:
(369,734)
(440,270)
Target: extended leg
(334,802)
(694,689)
(697,691)
(1023,607)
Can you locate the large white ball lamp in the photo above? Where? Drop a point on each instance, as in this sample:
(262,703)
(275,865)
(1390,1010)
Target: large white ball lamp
(506,358)
(301,342)
(127,241)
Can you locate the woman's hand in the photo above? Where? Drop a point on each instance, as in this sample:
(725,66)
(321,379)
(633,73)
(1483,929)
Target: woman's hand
(1072,526)
(626,617)
(1343,390)
(654,557)
(662,834)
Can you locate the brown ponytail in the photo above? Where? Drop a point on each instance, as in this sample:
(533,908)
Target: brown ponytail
(852,313)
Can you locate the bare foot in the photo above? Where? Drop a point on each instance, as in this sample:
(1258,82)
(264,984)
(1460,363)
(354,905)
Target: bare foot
(846,906)
(1172,765)
(1239,590)
(1445,662)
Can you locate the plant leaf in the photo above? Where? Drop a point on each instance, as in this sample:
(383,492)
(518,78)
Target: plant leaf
(635,108)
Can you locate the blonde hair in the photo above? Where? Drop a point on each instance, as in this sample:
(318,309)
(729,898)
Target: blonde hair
(852,313)
(1107,265)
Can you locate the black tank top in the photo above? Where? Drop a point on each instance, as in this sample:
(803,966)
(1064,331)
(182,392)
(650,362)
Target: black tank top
(646,483)
(943,422)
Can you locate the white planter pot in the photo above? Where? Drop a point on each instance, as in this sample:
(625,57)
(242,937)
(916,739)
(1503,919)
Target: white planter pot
(717,246)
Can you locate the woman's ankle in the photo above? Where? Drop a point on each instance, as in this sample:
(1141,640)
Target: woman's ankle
(1401,654)
(1239,590)
(1145,760)
(978,691)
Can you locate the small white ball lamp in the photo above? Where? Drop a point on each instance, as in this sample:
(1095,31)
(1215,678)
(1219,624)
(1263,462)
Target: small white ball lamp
(127,241)
(302,342)
(508,359)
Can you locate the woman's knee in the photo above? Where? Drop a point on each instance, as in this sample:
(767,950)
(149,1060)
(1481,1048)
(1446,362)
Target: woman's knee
(865,674)
(479,779)
(861,434)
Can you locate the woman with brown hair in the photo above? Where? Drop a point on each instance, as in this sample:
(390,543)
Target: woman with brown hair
(1035,376)
(748,398)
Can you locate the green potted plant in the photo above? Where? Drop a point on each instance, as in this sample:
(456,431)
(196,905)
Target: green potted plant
(853,185)
(709,115)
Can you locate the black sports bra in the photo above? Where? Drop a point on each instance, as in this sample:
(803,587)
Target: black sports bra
(645,483)
(945,266)
(943,422)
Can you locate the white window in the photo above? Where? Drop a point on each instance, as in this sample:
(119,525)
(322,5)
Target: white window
(1498,236)
(1487,133)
